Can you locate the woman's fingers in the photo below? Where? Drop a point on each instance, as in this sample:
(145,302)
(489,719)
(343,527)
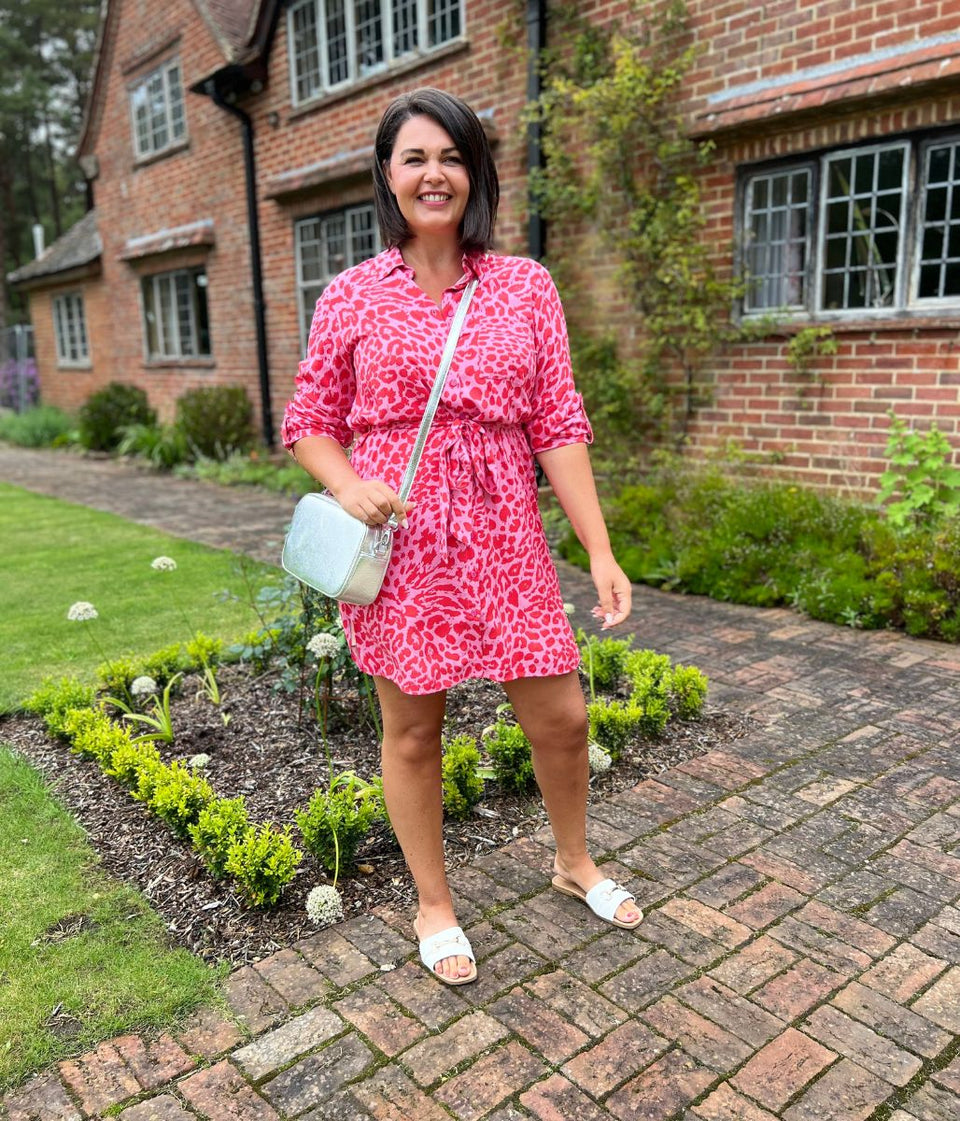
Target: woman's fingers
(373,502)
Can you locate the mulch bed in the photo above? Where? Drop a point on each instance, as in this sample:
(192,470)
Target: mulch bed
(277,762)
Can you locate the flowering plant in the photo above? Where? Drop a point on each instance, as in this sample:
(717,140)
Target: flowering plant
(324,905)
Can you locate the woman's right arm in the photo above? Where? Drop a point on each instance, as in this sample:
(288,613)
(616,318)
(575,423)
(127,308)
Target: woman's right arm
(370,500)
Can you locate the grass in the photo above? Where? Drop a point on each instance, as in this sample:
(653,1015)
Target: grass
(117,973)
(55,553)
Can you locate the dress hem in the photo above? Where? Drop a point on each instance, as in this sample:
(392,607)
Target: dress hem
(460,680)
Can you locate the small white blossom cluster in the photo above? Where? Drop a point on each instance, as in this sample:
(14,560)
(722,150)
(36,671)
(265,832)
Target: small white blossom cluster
(324,905)
(570,609)
(201,760)
(599,759)
(143,686)
(82,612)
(323,645)
(164,564)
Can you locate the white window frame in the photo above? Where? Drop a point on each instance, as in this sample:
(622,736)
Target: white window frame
(70,330)
(355,72)
(172,333)
(913,195)
(308,291)
(174,122)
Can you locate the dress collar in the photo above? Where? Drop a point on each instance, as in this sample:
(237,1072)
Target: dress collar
(391,259)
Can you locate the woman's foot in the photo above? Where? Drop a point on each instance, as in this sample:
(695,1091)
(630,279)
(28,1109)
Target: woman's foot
(428,922)
(585,874)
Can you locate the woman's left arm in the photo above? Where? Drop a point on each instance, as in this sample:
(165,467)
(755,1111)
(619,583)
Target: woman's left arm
(569,472)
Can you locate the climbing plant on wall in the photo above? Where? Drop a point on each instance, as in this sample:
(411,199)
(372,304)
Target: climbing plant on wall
(619,165)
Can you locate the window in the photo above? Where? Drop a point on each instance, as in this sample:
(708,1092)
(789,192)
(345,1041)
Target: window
(70,329)
(333,42)
(859,231)
(326,245)
(156,104)
(175,314)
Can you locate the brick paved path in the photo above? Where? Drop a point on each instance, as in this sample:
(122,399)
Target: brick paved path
(800,958)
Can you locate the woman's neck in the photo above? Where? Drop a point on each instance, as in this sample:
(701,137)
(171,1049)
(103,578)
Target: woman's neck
(437,258)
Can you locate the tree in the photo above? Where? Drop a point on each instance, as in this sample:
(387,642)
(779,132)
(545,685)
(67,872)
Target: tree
(46,53)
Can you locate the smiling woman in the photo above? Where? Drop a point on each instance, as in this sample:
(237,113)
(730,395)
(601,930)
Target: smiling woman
(471,590)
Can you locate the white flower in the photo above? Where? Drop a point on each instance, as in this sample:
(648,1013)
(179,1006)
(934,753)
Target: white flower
(82,612)
(200,761)
(570,608)
(324,905)
(164,564)
(143,686)
(323,645)
(599,759)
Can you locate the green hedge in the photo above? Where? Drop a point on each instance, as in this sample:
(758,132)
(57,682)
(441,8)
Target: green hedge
(697,530)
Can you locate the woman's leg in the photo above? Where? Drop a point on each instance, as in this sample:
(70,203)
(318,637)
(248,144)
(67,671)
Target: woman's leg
(413,791)
(553,715)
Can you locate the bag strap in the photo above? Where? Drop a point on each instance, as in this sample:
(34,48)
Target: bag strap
(430,411)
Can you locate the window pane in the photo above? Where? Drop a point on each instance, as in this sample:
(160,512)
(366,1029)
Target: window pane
(158,112)
(306,50)
(443,21)
(148,290)
(775,226)
(939,231)
(863,226)
(338,58)
(168,318)
(177,124)
(405,37)
(201,317)
(185,315)
(369,24)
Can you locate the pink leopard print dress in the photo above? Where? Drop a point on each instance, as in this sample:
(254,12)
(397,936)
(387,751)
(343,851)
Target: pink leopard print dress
(471,590)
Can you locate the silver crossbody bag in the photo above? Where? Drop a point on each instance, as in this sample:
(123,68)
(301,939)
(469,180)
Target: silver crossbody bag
(335,552)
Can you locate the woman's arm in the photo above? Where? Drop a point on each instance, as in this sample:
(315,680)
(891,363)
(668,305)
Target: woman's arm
(569,472)
(370,500)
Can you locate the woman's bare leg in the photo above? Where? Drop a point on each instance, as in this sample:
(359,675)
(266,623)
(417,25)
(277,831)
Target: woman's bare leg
(413,792)
(552,713)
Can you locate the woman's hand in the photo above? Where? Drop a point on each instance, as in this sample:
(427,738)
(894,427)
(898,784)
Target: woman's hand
(372,501)
(613,590)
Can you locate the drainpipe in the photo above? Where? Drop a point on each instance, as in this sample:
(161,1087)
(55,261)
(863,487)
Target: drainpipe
(536,41)
(256,269)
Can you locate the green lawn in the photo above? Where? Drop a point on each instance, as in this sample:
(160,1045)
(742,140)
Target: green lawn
(54,553)
(115,973)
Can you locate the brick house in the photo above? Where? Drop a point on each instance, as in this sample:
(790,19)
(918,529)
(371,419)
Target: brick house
(837,133)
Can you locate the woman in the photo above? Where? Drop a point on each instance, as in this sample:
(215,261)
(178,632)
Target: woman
(471,590)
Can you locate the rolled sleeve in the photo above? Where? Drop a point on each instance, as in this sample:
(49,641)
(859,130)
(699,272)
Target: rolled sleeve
(325,384)
(558,416)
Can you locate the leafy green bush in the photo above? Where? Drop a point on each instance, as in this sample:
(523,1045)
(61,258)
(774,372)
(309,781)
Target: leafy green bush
(462,785)
(128,760)
(94,735)
(510,753)
(219,824)
(692,528)
(216,420)
(162,445)
(263,861)
(688,691)
(174,793)
(613,724)
(603,659)
(203,651)
(242,469)
(336,821)
(54,699)
(920,487)
(43,426)
(106,412)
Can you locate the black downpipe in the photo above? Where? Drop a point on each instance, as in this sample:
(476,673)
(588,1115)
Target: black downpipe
(256,268)
(536,41)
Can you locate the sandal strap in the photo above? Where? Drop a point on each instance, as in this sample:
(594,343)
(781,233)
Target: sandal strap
(605,897)
(448,943)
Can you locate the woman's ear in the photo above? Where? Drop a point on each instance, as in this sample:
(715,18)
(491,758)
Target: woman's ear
(386,174)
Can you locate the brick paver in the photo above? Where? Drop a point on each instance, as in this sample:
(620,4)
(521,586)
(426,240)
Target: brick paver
(800,959)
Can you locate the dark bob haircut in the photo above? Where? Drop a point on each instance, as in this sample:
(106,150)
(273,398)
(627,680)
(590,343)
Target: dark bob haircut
(460,122)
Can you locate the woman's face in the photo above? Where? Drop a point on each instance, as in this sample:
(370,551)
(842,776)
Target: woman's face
(428,178)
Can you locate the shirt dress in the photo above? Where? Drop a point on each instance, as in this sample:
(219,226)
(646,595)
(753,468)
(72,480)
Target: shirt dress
(471,589)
